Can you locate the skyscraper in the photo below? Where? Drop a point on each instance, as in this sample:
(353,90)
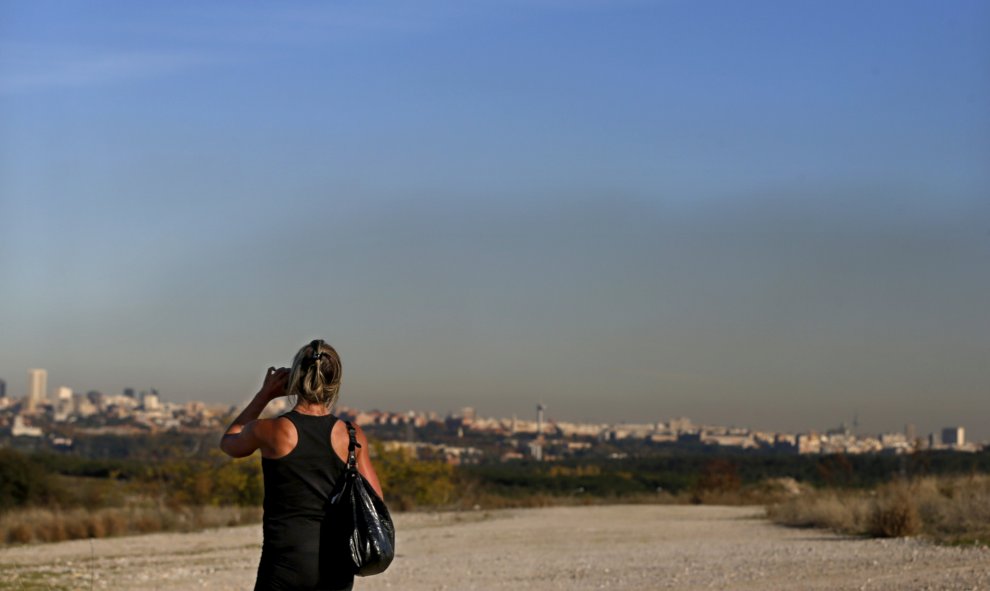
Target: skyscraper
(3,388)
(953,436)
(539,418)
(536,447)
(37,390)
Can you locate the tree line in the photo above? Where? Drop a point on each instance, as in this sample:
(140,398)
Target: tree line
(177,477)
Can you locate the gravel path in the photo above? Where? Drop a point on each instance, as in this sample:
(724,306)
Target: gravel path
(576,548)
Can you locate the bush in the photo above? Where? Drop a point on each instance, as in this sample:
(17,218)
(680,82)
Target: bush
(719,477)
(24,483)
(945,509)
(846,512)
(47,525)
(956,509)
(410,483)
(895,512)
(19,534)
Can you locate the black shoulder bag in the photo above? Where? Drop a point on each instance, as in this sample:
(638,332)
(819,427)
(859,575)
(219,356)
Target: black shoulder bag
(362,514)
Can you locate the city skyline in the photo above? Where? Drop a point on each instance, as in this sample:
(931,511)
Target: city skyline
(765,213)
(852,424)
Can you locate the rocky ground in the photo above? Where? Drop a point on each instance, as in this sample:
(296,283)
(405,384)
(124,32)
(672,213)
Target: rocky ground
(574,548)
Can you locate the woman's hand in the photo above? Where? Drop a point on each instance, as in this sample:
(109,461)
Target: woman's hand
(275,383)
(247,433)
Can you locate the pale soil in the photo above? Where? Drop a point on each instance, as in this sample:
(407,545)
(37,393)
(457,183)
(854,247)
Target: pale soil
(574,548)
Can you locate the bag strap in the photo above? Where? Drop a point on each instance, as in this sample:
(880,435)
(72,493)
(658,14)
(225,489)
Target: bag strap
(351,446)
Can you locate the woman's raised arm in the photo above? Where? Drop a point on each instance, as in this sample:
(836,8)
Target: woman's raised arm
(246,434)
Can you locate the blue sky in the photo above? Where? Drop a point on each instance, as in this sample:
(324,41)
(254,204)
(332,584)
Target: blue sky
(771,214)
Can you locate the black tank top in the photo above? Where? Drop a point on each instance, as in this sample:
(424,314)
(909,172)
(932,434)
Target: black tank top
(298,485)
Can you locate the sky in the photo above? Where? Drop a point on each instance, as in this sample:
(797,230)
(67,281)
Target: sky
(768,214)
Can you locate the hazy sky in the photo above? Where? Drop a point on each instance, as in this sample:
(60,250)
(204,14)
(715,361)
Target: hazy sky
(767,214)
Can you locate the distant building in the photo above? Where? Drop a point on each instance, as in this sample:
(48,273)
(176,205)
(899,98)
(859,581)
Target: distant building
(729,440)
(130,393)
(37,390)
(954,436)
(3,389)
(81,405)
(63,403)
(911,434)
(536,449)
(150,400)
(96,398)
(21,429)
(786,442)
(810,443)
(681,425)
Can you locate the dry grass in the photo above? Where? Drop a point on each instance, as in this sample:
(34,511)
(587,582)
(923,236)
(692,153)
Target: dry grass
(765,492)
(946,509)
(838,511)
(55,525)
(956,510)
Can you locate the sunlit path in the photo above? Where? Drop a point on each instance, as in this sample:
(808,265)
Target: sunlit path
(618,547)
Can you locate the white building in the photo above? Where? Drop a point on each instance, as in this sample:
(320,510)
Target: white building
(37,390)
(954,436)
(150,401)
(21,429)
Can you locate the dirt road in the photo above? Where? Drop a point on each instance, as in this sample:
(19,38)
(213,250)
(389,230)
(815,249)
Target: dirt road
(576,548)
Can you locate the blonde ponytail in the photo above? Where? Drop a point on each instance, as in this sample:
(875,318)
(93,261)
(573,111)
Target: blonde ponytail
(315,375)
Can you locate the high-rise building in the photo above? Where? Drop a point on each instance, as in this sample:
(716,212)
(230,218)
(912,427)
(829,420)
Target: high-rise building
(3,388)
(37,390)
(954,436)
(536,447)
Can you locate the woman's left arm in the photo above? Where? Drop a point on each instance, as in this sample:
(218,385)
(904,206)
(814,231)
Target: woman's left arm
(242,436)
(364,462)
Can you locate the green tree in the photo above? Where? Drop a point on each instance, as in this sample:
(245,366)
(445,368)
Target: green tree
(408,482)
(23,482)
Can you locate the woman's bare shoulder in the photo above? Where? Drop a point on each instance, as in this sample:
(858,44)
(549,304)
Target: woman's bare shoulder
(271,425)
(278,436)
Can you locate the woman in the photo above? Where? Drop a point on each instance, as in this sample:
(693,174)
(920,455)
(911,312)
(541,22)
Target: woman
(303,456)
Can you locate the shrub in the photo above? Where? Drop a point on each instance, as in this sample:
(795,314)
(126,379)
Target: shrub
(114,523)
(19,534)
(946,509)
(842,512)
(955,509)
(44,525)
(145,521)
(895,513)
(23,482)
(409,483)
(95,528)
(718,478)
(76,526)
